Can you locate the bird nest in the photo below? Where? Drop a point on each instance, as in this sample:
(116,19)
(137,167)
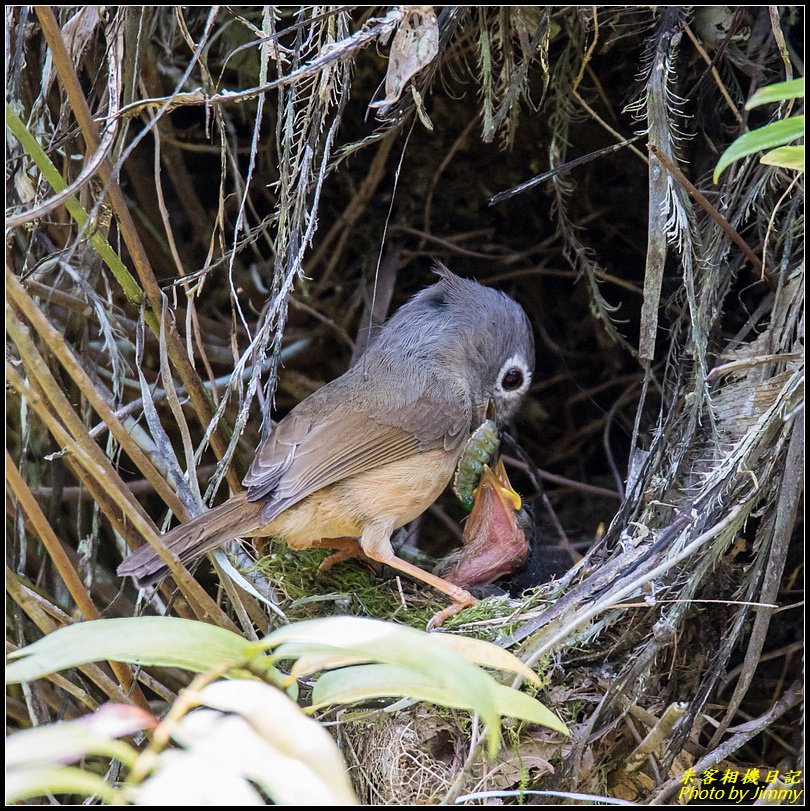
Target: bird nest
(270,230)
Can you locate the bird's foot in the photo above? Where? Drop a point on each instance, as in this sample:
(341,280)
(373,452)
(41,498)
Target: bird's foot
(345,552)
(440,617)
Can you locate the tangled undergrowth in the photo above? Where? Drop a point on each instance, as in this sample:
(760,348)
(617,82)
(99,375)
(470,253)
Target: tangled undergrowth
(206,218)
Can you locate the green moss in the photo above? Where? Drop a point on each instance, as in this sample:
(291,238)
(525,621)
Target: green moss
(347,588)
(353,588)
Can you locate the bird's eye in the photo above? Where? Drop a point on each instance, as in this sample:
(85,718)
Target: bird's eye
(512,379)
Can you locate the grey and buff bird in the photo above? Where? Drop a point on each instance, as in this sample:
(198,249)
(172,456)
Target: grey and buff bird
(373,449)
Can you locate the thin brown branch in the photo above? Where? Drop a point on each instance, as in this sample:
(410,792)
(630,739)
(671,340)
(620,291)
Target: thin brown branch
(553,478)
(41,614)
(114,501)
(86,451)
(180,360)
(66,571)
(728,229)
(715,75)
(371,31)
(341,230)
(57,344)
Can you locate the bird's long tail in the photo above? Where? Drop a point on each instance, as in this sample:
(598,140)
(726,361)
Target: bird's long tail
(189,541)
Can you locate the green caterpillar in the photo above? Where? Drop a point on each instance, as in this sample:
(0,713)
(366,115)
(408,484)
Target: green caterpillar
(478,451)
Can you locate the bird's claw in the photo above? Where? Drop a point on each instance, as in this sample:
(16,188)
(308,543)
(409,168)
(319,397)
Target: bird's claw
(440,617)
(343,555)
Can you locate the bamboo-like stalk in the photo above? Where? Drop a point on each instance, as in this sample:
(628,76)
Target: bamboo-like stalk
(26,599)
(64,354)
(90,453)
(70,82)
(32,393)
(82,696)
(200,602)
(97,239)
(655,737)
(65,569)
(37,401)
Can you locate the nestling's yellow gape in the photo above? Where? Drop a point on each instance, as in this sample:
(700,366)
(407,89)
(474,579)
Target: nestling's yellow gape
(373,449)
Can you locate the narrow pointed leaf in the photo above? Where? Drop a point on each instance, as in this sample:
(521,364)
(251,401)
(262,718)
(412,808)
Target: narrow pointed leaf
(485,654)
(366,640)
(66,742)
(477,651)
(23,784)
(767,137)
(164,641)
(788,157)
(780,91)
(309,664)
(514,704)
(366,682)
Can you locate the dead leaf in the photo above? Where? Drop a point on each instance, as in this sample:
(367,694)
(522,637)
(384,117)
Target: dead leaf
(415,45)
(79,30)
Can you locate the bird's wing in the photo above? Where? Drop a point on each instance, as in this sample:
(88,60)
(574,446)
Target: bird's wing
(314,447)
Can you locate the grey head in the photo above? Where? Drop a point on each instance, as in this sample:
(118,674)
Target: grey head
(472,336)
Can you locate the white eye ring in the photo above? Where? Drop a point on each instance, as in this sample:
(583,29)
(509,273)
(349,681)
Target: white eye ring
(519,370)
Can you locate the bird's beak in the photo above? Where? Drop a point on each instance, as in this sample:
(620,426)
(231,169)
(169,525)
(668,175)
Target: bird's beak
(498,482)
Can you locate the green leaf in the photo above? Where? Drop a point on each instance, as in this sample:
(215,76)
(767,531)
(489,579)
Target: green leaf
(514,704)
(52,174)
(477,651)
(68,741)
(780,91)
(164,641)
(36,758)
(22,784)
(788,157)
(350,685)
(366,682)
(771,135)
(481,652)
(308,664)
(338,641)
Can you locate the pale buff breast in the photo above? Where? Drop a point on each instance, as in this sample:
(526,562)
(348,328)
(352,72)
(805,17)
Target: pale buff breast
(399,492)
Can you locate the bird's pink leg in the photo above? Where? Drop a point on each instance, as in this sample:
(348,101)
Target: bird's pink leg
(376,543)
(347,548)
